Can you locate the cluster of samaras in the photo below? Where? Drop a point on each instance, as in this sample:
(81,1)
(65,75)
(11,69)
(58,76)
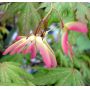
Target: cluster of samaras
(37,43)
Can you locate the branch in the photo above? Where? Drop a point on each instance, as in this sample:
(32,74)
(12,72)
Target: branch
(43,21)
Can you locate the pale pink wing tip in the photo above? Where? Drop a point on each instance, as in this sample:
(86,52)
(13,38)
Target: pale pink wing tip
(19,37)
(4,53)
(77,26)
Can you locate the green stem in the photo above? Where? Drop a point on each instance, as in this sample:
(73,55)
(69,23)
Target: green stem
(61,20)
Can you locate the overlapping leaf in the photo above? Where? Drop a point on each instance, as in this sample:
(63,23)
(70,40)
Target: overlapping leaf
(82,13)
(11,73)
(59,76)
(29,17)
(26,13)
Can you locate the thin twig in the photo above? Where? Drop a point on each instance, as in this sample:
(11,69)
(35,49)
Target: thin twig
(43,20)
(59,15)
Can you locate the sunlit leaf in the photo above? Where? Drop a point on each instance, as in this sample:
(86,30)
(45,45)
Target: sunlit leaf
(11,73)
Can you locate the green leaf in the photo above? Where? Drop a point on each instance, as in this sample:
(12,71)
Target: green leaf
(11,73)
(85,58)
(82,13)
(12,58)
(83,43)
(29,18)
(86,74)
(26,14)
(59,76)
(4,7)
(65,10)
(63,60)
(12,10)
(53,18)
